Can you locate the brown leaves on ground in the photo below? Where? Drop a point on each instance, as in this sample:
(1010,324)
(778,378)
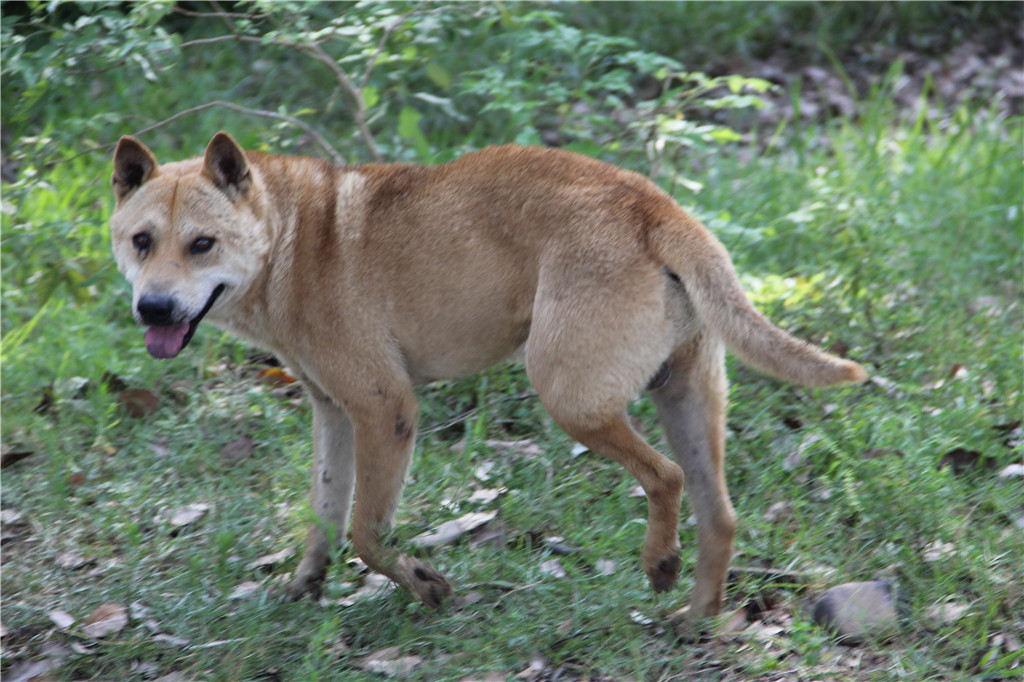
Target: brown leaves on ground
(106,619)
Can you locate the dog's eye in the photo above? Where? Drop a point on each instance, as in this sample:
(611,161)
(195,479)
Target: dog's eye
(142,241)
(201,245)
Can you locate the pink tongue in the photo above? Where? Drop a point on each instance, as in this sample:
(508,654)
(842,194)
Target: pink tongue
(165,342)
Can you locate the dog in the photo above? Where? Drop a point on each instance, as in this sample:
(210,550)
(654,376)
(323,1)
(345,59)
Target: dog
(368,280)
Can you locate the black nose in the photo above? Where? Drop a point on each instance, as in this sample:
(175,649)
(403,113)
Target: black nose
(156,309)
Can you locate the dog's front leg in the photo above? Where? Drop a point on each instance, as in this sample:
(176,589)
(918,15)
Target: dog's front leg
(331,493)
(385,433)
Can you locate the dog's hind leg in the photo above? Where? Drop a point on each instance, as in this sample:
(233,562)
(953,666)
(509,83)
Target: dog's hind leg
(591,350)
(691,407)
(331,493)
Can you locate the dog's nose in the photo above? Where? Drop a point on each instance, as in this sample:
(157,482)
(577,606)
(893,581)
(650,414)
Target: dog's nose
(156,309)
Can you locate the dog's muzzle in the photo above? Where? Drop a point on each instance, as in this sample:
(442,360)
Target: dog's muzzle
(164,337)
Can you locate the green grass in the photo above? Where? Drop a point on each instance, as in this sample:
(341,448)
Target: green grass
(898,239)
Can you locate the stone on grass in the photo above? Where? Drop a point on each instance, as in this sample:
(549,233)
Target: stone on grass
(858,611)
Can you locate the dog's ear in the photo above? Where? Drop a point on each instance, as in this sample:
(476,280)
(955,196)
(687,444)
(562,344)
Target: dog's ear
(134,164)
(225,165)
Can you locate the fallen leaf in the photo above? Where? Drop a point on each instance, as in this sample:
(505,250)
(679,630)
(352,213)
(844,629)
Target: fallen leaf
(938,550)
(244,590)
(237,450)
(1011,471)
(450,531)
(61,618)
(183,516)
(172,640)
(606,566)
(538,665)
(106,619)
(374,585)
(9,457)
(390,662)
(71,560)
(487,495)
(557,545)
(524,448)
(139,611)
(553,568)
(945,614)
(276,376)
(269,560)
(962,460)
(145,668)
(138,402)
(30,671)
(777,510)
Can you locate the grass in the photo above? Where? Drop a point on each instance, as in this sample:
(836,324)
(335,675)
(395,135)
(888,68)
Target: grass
(897,239)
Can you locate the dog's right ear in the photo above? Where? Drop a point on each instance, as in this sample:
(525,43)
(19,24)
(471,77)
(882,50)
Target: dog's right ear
(134,164)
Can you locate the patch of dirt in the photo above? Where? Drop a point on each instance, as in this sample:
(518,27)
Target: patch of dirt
(985,68)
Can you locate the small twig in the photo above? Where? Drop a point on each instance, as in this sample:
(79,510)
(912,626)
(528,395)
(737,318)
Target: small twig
(317,137)
(355,91)
(316,52)
(222,15)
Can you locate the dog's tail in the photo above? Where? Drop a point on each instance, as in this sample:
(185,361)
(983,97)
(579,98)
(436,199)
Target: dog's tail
(706,271)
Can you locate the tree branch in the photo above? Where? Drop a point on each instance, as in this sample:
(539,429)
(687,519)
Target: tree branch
(317,137)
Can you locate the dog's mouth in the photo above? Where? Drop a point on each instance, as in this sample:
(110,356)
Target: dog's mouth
(166,341)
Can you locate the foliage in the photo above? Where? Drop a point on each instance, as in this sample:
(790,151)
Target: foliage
(894,236)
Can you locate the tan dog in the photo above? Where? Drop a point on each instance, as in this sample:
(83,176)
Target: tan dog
(367,280)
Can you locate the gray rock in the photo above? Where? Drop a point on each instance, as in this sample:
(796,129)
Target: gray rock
(858,611)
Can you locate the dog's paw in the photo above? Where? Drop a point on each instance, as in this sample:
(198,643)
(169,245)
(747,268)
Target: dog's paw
(427,584)
(301,585)
(665,572)
(691,625)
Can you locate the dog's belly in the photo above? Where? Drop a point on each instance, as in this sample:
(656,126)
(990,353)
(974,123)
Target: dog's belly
(458,345)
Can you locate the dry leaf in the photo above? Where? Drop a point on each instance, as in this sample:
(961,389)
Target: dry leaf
(1012,470)
(9,457)
(450,531)
(487,495)
(61,619)
(30,671)
(270,560)
(390,662)
(105,620)
(183,516)
(244,590)
(524,448)
(138,402)
(553,568)
(938,550)
(945,614)
(962,460)
(276,376)
(237,450)
(71,560)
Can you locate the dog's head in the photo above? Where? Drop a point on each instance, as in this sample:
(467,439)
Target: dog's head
(189,236)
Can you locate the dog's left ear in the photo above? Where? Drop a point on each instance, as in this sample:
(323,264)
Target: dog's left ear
(134,164)
(225,165)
